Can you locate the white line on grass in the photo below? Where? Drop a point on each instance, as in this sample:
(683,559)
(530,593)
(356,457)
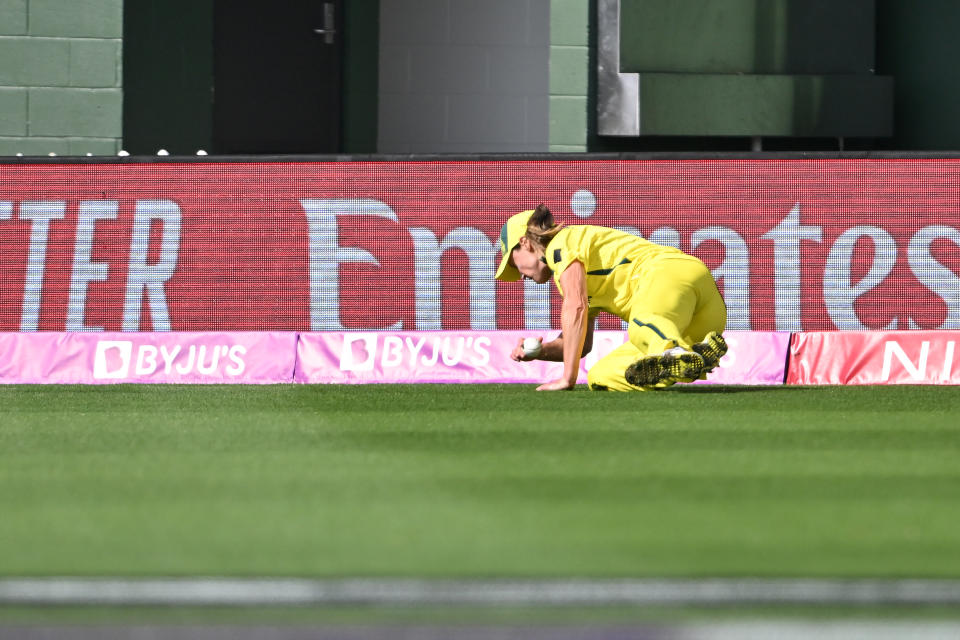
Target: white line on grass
(550,592)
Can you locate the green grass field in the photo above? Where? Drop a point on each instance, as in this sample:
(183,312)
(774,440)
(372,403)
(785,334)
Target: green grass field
(485,481)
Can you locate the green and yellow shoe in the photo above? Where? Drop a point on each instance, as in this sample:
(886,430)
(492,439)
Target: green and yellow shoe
(675,365)
(645,372)
(680,365)
(711,350)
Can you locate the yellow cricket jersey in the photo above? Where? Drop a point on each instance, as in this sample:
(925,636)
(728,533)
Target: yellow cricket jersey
(613,260)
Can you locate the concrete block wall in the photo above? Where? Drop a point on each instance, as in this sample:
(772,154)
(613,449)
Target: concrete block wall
(468,76)
(60,76)
(569,60)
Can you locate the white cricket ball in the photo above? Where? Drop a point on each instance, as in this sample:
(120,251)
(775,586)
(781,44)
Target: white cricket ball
(531,347)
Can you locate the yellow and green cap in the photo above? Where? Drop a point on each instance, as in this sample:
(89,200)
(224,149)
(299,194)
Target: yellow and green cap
(513,229)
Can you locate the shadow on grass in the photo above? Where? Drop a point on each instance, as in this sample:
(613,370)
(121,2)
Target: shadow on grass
(735,388)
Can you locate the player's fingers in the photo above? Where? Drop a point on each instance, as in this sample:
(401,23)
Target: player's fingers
(517,353)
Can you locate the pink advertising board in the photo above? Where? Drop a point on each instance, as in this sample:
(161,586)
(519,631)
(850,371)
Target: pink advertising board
(329,357)
(484,357)
(103,358)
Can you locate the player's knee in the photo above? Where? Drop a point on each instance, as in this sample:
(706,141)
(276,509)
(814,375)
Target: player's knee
(596,381)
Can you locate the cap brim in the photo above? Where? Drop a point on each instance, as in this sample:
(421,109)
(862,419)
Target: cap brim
(506,272)
(510,234)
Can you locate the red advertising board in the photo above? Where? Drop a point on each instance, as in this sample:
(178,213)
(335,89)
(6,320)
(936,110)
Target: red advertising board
(874,357)
(801,244)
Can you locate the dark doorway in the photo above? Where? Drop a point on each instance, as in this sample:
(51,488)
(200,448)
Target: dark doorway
(167,76)
(277,76)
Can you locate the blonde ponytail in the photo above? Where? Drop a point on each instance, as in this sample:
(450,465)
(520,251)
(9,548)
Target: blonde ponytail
(541,228)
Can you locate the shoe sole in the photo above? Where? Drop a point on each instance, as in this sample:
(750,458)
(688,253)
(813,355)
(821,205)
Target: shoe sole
(645,372)
(652,370)
(711,350)
(682,366)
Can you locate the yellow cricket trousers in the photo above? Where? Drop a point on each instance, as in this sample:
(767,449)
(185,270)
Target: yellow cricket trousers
(676,303)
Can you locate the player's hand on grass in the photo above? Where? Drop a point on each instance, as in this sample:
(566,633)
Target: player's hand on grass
(560,384)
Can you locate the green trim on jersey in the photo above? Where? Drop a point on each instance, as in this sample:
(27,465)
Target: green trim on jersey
(606,272)
(617,257)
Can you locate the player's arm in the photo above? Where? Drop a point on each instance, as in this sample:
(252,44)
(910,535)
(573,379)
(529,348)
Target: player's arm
(591,325)
(574,324)
(553,350)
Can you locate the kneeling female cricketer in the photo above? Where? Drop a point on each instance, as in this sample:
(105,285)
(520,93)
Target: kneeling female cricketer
(670,300)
